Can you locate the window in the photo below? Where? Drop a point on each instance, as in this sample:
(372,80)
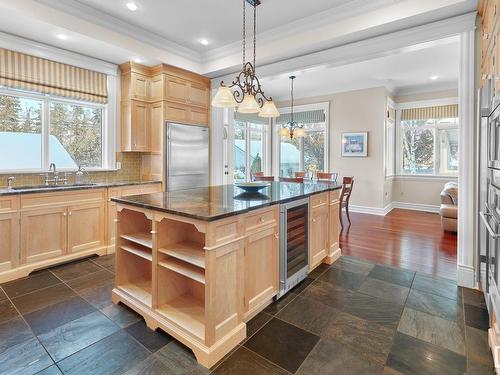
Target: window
(249,150)
(429,145)
(307,153)
(36,130)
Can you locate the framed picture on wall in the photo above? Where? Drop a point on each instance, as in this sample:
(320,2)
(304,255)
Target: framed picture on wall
(355,144)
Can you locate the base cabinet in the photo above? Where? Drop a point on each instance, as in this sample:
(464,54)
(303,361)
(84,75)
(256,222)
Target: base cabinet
(9,238)
(43,234)
(318,233)
(86,227)
(261,268)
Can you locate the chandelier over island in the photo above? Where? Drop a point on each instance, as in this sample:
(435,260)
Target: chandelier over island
(246,94)
(292,129)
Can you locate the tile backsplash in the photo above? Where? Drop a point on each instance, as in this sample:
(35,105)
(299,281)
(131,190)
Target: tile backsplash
(130,171)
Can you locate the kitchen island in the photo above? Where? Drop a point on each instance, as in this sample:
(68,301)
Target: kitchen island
(199,263)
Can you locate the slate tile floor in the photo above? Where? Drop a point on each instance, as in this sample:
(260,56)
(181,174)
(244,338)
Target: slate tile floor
(354,317)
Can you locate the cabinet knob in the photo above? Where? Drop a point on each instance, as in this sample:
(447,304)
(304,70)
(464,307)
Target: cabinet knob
(261,219)
(64,213)
(276,236)
(70,213)
(314,220)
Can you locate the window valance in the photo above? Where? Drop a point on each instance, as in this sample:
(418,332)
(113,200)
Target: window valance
(26,72)
(442,111)
(250,117)
(304,117)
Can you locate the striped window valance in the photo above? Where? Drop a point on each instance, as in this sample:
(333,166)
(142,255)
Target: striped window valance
(26,72)
(250,117)
(304,117)
(442,111)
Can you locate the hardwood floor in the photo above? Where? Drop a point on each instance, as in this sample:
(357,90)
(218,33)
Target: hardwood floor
(403,238)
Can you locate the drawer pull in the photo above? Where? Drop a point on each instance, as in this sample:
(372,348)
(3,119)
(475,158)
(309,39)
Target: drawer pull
(262,219)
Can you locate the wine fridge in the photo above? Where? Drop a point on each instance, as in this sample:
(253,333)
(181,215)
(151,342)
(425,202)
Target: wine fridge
(294,244)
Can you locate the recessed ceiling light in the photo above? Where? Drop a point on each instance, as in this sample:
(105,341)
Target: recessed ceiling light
(137,60)
(131,6)
(433,77)
(61,36)
(204,42)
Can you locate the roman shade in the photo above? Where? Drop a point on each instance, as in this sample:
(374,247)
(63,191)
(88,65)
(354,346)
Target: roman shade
(442,111)
(305,117)
(250,117)
(26,72)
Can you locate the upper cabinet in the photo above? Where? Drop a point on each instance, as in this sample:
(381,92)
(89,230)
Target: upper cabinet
(152,95)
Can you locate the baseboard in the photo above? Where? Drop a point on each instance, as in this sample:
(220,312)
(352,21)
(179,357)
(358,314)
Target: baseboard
(465,276)
(368,210)
(385,210)
(416,206)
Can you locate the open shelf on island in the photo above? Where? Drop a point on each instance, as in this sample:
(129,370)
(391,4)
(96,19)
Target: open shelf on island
(137,250)
(183,268)
(143,239)
(186,312)
(187,251)
(140,291)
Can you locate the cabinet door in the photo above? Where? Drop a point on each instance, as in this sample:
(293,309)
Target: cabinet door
(140,126)
(198,116)
(9,243)
(176,89)
(156,122)
(43,234)
(261,267)
(199,94)
(86,227)
(177,113)
(140,86)
(156,88)
(318,235)
(334,230)
(111,232)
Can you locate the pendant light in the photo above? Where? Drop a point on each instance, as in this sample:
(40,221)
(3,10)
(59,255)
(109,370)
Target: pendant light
(248,95)
(292,129)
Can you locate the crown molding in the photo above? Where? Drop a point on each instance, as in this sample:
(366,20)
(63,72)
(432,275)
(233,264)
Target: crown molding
(425,88)
(31,47)
(305,24)
(90,14)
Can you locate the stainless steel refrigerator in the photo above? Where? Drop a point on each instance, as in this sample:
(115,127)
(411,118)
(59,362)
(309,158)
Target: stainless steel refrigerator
(187,153)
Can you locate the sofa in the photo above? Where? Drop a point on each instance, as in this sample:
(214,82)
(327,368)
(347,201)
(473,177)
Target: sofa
(449,207)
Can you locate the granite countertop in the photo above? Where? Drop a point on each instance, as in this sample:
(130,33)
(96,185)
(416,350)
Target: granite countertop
(217,202)
(53,188)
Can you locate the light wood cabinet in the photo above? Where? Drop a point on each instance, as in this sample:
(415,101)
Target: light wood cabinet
(261,268)
(199,95)
(86,227)
(9,240)
(140,126)
(318,233)
(43,234)
(139,86)
(176,89)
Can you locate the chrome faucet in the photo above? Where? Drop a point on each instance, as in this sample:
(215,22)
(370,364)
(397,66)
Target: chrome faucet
(10,180)
(55,176)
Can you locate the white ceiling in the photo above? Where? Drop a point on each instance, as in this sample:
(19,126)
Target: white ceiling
(402,73)
(169,30)
(219,21)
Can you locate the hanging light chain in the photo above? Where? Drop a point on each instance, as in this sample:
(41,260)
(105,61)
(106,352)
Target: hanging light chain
(244,32)
(254,33)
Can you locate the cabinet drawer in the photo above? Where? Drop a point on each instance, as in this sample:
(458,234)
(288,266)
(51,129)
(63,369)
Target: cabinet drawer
(9,203)
(62,198)
(261,218)
(140,189)
(319,199)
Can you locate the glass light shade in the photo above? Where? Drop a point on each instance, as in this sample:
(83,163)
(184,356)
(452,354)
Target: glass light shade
(269,110)
(284,132)
(299,132)
(249,105)
(224,98)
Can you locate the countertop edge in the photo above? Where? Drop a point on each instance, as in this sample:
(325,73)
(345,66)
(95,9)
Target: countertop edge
(63,188)
(126,201)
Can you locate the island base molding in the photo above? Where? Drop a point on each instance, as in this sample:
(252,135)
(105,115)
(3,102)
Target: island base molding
(333,257)
(207,356)
(26,269)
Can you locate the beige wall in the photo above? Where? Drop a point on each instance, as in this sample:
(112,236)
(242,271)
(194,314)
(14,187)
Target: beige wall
(357,111)
(364,110)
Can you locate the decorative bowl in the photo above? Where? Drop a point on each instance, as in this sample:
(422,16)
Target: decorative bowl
(252,187)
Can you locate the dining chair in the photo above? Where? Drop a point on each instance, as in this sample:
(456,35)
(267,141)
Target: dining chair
(345,195)
(326,176)
(292,179)
(257,174)
(263,178)
(300,174)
